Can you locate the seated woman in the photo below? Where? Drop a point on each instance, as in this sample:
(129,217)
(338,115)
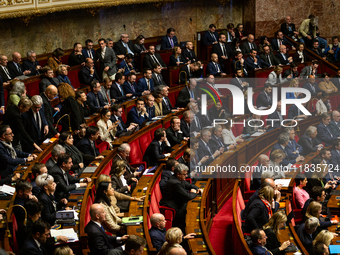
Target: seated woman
(301,195)
(323,104)
(326,85)
(228,136)
(18,90)
(219,112)
(46,197)
(239,33)
(325,237)
(272,230)
(276,158)
(173,238)
(139,45)
(63,250)
(112,222)
(107,130)
(176,58)
(275,76)
(55,60)
(264,42)
(235,45)
(293,84)
(62,75)
(301,56)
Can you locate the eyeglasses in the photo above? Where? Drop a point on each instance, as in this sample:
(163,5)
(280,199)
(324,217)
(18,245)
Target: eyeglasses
(9,133)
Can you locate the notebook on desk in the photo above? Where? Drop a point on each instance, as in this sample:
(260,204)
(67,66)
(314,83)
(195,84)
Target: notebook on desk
(89,169)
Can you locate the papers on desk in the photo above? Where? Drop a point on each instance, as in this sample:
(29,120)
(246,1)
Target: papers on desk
(283,182)
(149,171)
(46,141)
(68,232)
(262,108)
(5,189)
(257,134)
(90,169)
(158,117)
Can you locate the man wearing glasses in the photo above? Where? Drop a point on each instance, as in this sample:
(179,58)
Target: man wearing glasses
(50,93)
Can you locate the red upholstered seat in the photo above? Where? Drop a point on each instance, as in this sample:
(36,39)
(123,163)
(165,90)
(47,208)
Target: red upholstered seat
(166,57)
(93,192)
(144,141)
(73,76)
(179,155)
(153,204)
(88,205)
(233,129)
(102,146)
(107,168)
(255,96)
(172,98)
(149,223)
(152,131)
(124,115)
(175,77)
(169,215)
(33,88)
(14,231)
(239,129)
(135,153)
(44,160)
(289,210)
(64,59)
(43,62)
(167,124)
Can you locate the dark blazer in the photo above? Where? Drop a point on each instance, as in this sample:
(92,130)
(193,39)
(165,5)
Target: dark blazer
(62,190)
(74,60)
(48,213)
(165,43)
(109,60)
(117,185)
(30,247)
(70,106)
(2,93)
(293,112)
(99,242)
(86,110)
(335,159)
(86,54)
(138,48)
(308,86)
(308,144)
(157,81)
(4,76)
(215,143)
(91,98)
(117,94)
(211,69)
(13,70)
(166,175)
(84,145)
(185,68)
(285,29)
(172,138)
(177,193)
(173,61)
(237,65)
(48,112)
(288,72)
(250,64)
(148,61)
(128,69)
(272,242)
(286,160)
(128,89)
(183,98)
(325,136)
(8,164)
(64,79)
(246,49)
(189,55)
(151,112)
(28,65)
(258,250)
(256,183)
(262,100)
(336,81)
(304,237)
(281,59)
(121,50)
(184,128)
(50,163)
(167,107)
(119,129)
(257,215)
(157,237)
(85,77)
(275,115)
(297,59)
(154,152)
(204,151)
(250,129)
(235,82)
(335,129)
(142,85)
(208,39)
(292,147)
(133,117)
(274,61)
(276,46)
(306,71)
(45,82)
(218,50)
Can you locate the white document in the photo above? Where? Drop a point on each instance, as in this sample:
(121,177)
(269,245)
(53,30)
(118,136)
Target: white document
(68,232)
(257,134)
(5,189)
(283,182)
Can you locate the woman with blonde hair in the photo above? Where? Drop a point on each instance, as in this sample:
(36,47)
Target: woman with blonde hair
(325,237)
(176,58)
(272,230)
(293,84)
(63,250)
(173,238)
(62,75)
(275,76)
(276,158)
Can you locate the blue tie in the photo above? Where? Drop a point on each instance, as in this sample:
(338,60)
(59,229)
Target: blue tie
(103,229)
(120,89)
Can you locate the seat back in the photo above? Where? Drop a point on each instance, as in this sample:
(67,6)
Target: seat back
(144,141)
(88,205)
(14,231)
(135,154)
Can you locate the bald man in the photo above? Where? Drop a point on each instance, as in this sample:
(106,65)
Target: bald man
(124,46)
(15,68)
(99,242)
(334,126)
(248,45)
(177,251)
(50,93)
(214,67)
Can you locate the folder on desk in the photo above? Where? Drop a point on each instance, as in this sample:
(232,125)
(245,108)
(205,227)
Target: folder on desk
(334,249)
(133,220)
(335,192)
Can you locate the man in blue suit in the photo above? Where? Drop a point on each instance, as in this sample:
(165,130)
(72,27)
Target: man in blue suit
(305,231)
(254,62)
(127,64)
(335,159)
(214,67)
(277,116)
(88,51)
(334,126)
(35,124)
(312,86)
(130,86)
(87,145)
(122,128)
(280,40)
(210,36)
(259,239)
(324,133)
(293,149)
(95,97)
(117,91)
(138,113)
(150,107)
(145,83)
(169,40)
(295,113)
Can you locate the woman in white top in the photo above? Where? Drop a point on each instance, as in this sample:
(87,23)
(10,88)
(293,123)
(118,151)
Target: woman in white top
(228,136)
(276,158)
(275,77)
(323,105)
(107,130)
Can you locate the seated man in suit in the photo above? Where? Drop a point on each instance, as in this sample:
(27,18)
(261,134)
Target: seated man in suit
(205,148)
(253,124)
(187,118)
(293,149)
(157,147)
(99,242)
(31,63)
(324,132)
(257,172)
(216,142)
(315,49)
(48,79)
(174,133)
(334,126)
(210,36)
(4,72)
(259,241)
(177,193)
(249,45)
(188,72)
(150,106)
(105,90)
(95,97)
(254,62)
(66,182)
(49,94)
(35,124)
(124,46)
(157,231)
(145,83)
(288,28)
(295,113)
(238,63)
(122,128)
(283,57)
(309,142)
(15,68)
(292,72)
(130,86)
(187,94)
(134,245)
(88,51)
(335,159)
(152,57)
(332,51)
(127,64)
(269,57)
(56,151)
(214,67)
(306,230)
(167,173)
(157,76)
(239,81)
(189,54)
(167,106)
(138,113)
(312,69)
(279,40)
(264,99)
(117,91)
(185,159)
(87,145)
(76,57)
(88,73)
(169,40)
(223,50)
(276,116)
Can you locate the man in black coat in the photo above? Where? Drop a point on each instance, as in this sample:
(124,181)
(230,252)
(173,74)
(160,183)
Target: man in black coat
(152,57)
(188,117)
(31,63)
(87,145)
(157,147)
(50,93)
(150,106)
(76,57)
(187,95)
(189,71)
(309,142)
(205,148)
(88,73)
(288,28)
(124,46)
(117,91)
(216,142)
(167,173)
(157,76)
(305,231)
(122,128)
(15,68)
(61,175)
(166,104)
(174,133)
(248,45)
(264,99)
(239,81)
(283,57)
(269,57)
(48,79)
(189,53)
(223,50)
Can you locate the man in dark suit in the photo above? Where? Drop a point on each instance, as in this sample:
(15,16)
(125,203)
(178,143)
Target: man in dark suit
(309,142)
(187,95)
(130,86)
(88,51)
(15,68)
(174,133)
(216,142)
(293,149)
(334,126)
(122,128)
(150,107)
(4,72)
(48,79)
(166,104)
(124,46)
(157,147)
(117,91)
(157,231)
(264,99)
(107,59)
(189,71)
(167,173)
(177,193)
(280,40)
(223,50)
(95,97)
(169,40)
(145,83)
(31,63)
(239,81)
(259,240)
(185,159)
(123,153)
(214,67)
(205,148)
(127,65)
(291,72)
(76,57)
(336,79)
(312,69)
(88,73)
(269,57)
(277,116)
(138,113)
(35,124)
(189,54)
(257,172)
(335,159)
(239,63)
(288,28)
(152,57)
(188,117)
(61,175)
(99,242)
(283,57)
(56,151)
(210,36)
(50,93)
(295,113)
(254,62)
(87,145)
(305,231)
(324,133)
(157,76)
(249,45)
